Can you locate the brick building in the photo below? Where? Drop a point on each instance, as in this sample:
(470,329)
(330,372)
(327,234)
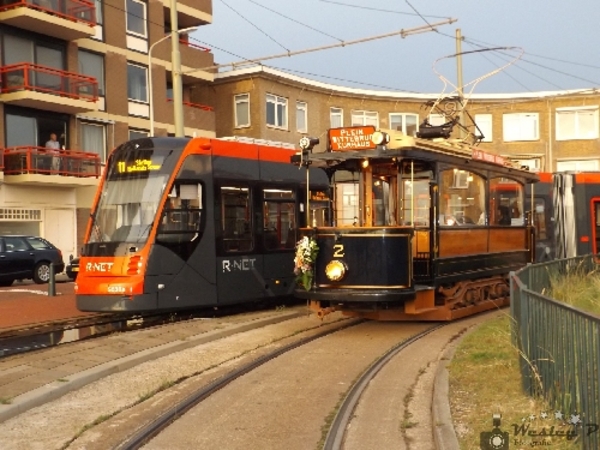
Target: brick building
(80,69)
(548,131)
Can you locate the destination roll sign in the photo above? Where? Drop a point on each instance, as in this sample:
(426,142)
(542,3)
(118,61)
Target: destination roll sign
(351,138)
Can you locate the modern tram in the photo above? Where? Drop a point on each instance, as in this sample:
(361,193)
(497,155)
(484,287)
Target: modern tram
(421,228)
(182,223)
(567,215)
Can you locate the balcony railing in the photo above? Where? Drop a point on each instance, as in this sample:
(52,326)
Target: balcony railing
(195,105)
(44,161)
(75,10)
(33,77)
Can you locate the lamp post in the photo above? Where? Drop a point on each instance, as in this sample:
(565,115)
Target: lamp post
(151,96)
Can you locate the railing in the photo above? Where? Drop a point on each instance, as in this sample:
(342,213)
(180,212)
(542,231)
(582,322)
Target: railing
(45,161)
(75,10)
(560,346)
(33,77)
(194,46)
(195,105)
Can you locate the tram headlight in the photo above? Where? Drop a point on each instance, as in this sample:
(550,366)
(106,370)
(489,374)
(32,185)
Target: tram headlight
(336,270)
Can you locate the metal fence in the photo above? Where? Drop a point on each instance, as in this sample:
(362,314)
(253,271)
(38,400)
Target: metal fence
(559,346)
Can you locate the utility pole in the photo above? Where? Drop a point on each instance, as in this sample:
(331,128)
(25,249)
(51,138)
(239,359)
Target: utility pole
(176,73)
(459,79)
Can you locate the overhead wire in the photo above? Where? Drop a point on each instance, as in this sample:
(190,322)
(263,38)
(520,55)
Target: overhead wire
(416,13)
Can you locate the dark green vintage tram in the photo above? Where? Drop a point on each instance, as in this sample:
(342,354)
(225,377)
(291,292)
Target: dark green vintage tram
(419,229)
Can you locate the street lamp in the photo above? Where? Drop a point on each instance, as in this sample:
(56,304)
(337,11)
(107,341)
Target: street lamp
(179,32)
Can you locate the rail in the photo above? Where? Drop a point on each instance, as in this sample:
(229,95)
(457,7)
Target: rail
(33,77)
(559,344)
(75,10)
(195,105)
(44,161)
(194,46)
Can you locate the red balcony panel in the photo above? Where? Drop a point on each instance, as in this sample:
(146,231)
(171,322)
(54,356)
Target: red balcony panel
(40,160)
(33,77)
(82,11)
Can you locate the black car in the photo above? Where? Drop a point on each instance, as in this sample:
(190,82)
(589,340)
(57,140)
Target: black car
(72,268)
(28,257)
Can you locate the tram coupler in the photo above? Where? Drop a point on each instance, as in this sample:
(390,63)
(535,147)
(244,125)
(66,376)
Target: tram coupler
(315,305)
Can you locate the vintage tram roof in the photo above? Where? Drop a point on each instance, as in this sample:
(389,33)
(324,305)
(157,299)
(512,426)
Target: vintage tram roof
(451,152)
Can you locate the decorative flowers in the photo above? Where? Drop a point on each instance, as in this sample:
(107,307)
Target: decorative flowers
(306,255)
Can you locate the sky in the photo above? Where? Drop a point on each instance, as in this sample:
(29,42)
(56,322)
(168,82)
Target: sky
(548,45)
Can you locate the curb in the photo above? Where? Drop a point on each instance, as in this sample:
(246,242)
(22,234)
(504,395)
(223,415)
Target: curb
(444,435)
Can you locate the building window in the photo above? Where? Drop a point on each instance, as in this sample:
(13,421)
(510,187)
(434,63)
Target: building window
(302,117)
(242,110)
(437,119)
(590,165)
(98,4)
(576,123)
(520,127)
(277,111)
(92,64)
(484,122)
(406,123)
(336,117)
(137,134)
(137,83)
(136,17)
(361,118)
(92,139)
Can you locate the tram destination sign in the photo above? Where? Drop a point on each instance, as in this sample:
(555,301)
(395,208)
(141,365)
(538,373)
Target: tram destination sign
(480,155)
(351,138)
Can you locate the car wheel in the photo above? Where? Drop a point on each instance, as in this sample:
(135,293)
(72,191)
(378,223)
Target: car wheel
(41,273)
(5,283)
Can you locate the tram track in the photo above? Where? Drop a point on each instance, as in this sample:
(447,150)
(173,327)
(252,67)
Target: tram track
(302,376)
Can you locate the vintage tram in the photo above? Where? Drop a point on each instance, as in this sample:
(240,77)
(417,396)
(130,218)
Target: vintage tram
(420,229)
(182,223)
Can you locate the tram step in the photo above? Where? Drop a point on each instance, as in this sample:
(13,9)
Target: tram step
(424,300)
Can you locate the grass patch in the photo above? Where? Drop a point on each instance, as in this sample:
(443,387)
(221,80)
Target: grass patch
(578,289)
(5,401)
(484,380)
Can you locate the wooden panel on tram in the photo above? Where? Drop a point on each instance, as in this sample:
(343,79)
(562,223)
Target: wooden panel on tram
(462,241)
(507,239)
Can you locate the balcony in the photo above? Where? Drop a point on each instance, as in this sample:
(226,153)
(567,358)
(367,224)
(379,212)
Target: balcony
(62,19)
(195,116)
(191,13)
(40,87)
(192,56)
(29,165)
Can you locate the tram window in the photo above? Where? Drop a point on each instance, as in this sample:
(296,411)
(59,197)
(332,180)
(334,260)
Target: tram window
(462,198)
(279,219)
(415,202)
(319,209)
(506,202)
(182,214)
(236,219)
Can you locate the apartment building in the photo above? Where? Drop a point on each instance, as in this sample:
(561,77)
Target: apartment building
(94,73)
(546,131)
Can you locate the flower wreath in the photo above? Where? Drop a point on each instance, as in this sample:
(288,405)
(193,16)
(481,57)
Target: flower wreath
(306,255)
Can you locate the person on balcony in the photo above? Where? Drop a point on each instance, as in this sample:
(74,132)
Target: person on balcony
(53,147)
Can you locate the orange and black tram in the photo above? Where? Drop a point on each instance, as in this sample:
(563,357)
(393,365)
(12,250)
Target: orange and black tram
(420,229)
(182,223)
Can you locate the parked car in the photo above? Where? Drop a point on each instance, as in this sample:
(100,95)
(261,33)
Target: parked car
(72,269)
(28,257)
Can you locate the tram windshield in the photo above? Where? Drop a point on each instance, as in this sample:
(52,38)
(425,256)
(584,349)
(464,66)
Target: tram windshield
(127,208)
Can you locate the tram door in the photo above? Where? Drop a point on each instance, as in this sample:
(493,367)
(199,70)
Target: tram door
(595,210)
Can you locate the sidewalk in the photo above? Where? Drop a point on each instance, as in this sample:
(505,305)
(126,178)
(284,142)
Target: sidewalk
(26,303)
